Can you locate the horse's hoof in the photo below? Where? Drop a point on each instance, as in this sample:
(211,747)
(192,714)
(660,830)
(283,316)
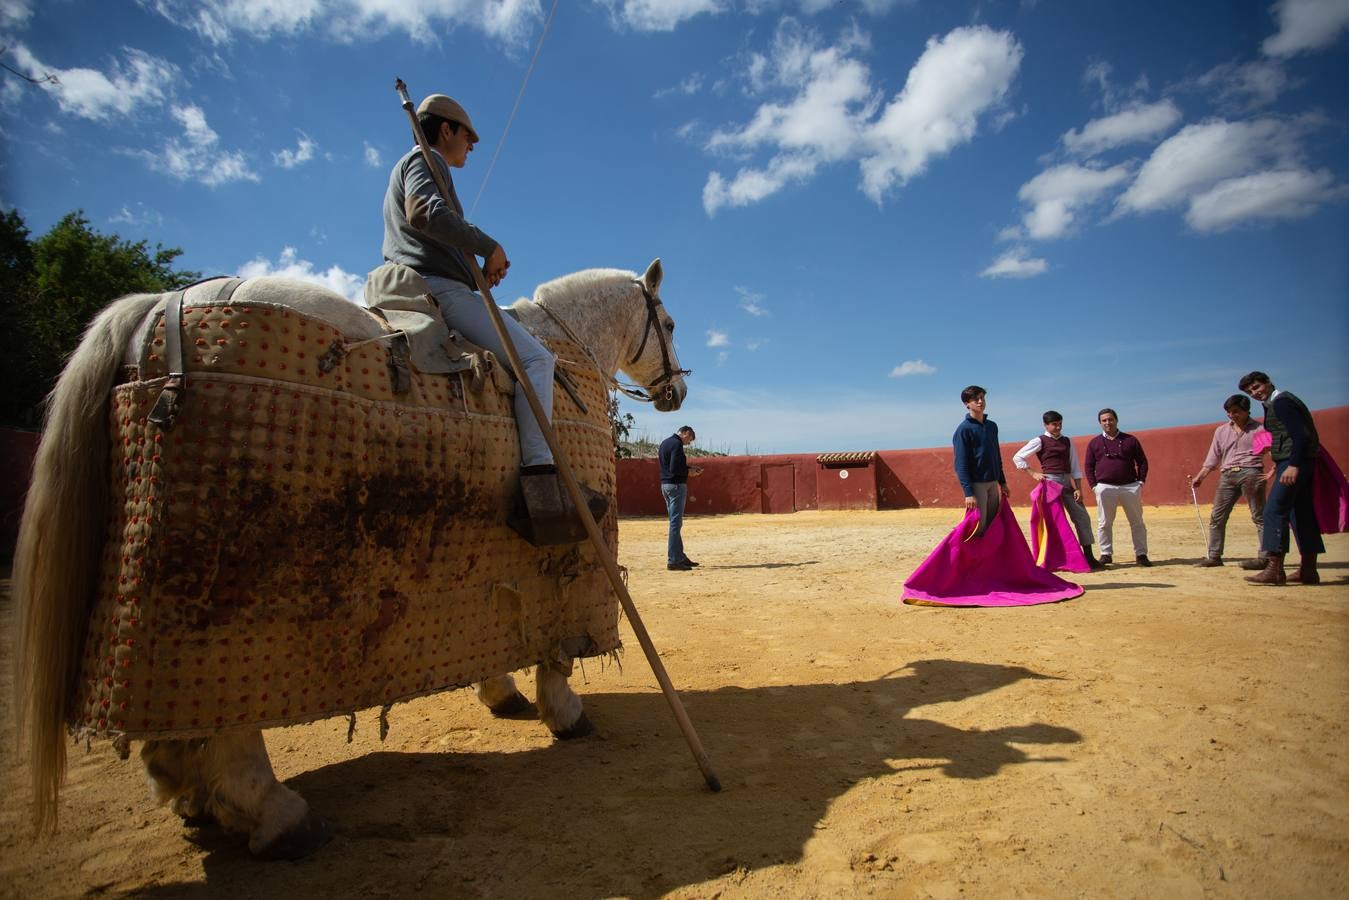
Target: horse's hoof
(512,707)
(200,820)
(579,729)
(300,841)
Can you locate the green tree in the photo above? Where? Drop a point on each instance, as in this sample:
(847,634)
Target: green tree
(53,286)
(621,424)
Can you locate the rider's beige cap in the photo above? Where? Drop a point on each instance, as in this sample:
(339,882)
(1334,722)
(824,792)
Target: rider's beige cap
(446,108)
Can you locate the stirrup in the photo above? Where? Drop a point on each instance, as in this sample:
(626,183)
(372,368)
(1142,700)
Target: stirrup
(546,516)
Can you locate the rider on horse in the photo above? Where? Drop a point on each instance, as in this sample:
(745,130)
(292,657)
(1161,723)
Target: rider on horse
(429,235)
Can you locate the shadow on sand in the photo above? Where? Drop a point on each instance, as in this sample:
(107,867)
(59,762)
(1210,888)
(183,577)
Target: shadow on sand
(626,812)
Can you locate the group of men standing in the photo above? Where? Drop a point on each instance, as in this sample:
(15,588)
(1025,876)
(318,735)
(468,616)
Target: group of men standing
(1116,469)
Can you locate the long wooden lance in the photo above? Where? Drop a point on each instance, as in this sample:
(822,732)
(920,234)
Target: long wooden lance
(564,470)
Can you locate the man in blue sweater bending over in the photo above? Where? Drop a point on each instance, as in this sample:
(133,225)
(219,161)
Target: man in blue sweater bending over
(978,462)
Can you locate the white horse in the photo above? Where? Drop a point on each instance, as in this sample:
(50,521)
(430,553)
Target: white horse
(227,777)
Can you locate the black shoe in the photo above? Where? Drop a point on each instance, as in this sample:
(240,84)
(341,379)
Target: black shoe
(1106,559)
(688,561)
(1254,565)
(681,566)
(1209,562)
(1143,561)
(1092,562)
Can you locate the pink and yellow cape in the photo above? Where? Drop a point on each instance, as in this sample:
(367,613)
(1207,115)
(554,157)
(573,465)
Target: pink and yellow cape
(1053,542)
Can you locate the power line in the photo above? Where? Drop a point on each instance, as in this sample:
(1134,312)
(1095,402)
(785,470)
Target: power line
(514,110)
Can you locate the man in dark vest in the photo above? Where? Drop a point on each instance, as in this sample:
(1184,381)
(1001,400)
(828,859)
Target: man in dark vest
(1058,463)
(1294,448)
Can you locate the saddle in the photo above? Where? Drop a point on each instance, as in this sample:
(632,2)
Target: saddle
(402,299)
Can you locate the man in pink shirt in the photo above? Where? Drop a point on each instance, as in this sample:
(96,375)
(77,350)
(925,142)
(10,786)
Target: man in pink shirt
(1230,453)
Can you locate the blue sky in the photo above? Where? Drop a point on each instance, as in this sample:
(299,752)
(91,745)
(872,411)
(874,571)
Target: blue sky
(862,207)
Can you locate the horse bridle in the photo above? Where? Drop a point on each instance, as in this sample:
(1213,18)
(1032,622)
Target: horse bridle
(636,392)
(668,372)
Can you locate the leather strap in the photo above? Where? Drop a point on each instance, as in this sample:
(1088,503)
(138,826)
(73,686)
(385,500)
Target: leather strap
(173,335)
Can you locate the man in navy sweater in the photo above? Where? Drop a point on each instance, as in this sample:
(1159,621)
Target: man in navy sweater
(674,477)
(1294,448)
(977,460)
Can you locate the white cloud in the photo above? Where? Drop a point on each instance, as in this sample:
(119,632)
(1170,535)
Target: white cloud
(372,157)
(752,185)
(689,86)
(1290,194)
(1306,25)
(303,153)
(334,278)
(1099,75)
(755,344)
(957,79)
(751,302)
(832,96)
(196,156)
(912,367)
(1056,194)
(141,217)
(91,94)
(221,21)
(830,112)
(1140,122)
(660,15)
(1015,264)
(718,339)
(1246,86)
(15,13)
(1199,156)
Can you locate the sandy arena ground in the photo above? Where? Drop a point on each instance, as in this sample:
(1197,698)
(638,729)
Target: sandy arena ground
(1171,733)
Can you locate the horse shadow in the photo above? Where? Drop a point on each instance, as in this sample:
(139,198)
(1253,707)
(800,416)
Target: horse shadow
(635,817)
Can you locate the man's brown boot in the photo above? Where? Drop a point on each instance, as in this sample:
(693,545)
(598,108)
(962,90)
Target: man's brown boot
(1273,572)
(1306,572)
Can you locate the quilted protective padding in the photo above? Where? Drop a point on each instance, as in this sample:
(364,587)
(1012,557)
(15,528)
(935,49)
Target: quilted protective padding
(303,543)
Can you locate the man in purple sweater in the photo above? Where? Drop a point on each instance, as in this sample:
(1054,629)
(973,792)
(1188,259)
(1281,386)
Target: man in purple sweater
(1116,469)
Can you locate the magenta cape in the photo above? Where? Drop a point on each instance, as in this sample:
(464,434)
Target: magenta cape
(1331,495)
(995,569)
(1330,492)
(1053,542)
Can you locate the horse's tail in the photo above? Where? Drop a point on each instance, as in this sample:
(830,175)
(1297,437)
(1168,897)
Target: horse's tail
(60,541)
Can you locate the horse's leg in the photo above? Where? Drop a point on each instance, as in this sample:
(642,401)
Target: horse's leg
(230,779)
(559,707)
(502,697)
(172,781)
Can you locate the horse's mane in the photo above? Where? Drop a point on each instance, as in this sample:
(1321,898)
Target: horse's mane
(583,282)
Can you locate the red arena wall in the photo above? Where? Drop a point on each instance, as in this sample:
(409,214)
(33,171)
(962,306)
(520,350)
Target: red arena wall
(913,478)
(789,481)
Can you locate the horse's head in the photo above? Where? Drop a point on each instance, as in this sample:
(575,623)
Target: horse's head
(651,359)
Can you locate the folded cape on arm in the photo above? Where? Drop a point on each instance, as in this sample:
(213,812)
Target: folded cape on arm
(995,569)
(1053,542)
